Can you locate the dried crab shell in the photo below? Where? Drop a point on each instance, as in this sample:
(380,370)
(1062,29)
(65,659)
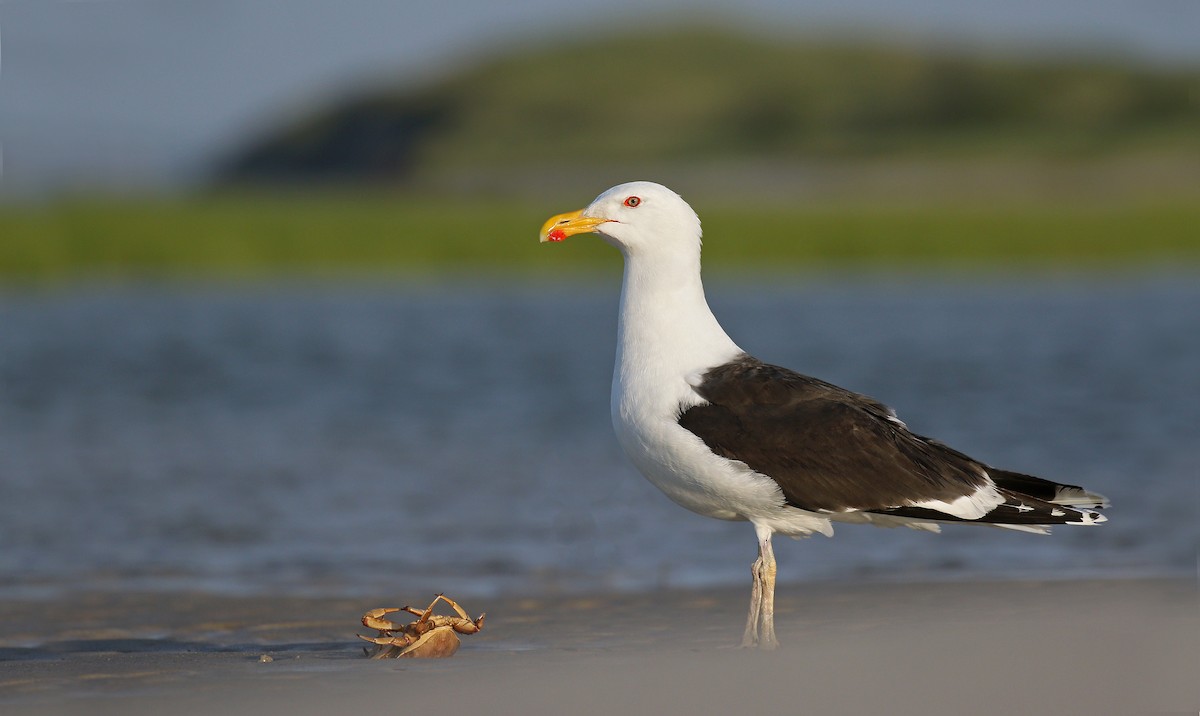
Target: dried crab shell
(432,636)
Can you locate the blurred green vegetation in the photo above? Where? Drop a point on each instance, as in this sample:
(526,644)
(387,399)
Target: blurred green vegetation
(278,236)
(711,95)
(900,158)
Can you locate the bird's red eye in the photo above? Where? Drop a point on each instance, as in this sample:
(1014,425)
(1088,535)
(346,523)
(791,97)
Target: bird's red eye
(632,201)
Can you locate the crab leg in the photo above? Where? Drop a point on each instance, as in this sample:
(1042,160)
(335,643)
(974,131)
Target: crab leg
(401,641)
(428,610)
(467,625)
(453,605)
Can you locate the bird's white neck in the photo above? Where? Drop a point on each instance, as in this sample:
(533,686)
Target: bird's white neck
(666,330)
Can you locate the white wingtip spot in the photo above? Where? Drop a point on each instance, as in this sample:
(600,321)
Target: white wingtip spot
(1090,518)
(983,500)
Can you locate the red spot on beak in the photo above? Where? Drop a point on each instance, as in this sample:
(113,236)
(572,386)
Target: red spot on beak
(556,235)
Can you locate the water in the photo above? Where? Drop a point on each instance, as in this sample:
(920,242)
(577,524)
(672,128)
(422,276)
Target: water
(378,439)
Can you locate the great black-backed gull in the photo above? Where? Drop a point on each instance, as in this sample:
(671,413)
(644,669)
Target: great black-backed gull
(729,436)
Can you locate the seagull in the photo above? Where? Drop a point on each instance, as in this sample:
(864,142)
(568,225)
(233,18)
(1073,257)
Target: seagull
(728,436)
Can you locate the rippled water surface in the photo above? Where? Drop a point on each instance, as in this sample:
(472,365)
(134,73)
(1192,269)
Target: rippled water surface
(353,438)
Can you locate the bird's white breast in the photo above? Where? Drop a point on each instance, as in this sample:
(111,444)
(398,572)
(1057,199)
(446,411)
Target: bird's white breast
(681,465)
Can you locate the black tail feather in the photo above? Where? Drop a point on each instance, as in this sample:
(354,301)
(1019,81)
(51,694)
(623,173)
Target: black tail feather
(1046,490)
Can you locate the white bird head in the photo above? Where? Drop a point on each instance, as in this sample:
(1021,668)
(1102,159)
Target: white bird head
(637,217)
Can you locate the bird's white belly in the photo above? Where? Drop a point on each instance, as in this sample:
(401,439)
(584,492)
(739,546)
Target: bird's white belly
(679,463)
(689,478)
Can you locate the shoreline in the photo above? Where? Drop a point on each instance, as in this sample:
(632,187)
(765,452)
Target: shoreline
(1095,646)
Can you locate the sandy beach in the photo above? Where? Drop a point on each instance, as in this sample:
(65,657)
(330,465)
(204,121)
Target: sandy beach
(1107,647)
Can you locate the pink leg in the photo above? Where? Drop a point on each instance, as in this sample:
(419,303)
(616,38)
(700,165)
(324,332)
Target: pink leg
(760,621)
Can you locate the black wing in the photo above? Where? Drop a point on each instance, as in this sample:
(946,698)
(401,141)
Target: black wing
(830,449)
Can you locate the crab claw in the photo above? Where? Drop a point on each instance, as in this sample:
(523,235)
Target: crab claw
(469,627)
(373,619)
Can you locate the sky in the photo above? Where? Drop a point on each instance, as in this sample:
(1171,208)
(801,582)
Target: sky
(144,95)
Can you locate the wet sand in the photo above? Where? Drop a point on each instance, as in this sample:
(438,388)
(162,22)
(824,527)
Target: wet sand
(1096,647)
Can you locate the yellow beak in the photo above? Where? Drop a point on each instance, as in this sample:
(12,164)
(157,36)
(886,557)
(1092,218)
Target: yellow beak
(560,227)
